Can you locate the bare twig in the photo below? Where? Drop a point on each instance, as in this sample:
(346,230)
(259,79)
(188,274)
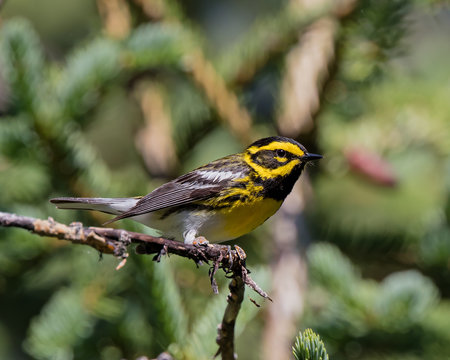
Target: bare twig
(225,337)
(116,241)
(225,330)
(74,232)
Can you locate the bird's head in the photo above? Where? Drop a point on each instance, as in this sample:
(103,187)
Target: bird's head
(278,156)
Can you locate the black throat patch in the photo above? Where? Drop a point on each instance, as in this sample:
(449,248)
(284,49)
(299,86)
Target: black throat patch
(279,187)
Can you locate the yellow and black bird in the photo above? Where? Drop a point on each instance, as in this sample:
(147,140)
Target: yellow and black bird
(220,201)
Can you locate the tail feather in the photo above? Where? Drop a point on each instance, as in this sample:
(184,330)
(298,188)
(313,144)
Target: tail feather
(115,206)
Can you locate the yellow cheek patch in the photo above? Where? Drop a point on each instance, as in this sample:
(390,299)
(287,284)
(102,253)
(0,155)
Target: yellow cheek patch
(275,145)
(266,173)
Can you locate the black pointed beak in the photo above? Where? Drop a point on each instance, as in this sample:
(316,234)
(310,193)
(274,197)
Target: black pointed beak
(308,157)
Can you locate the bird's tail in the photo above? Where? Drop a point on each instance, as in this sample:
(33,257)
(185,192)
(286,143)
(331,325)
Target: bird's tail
(113,206)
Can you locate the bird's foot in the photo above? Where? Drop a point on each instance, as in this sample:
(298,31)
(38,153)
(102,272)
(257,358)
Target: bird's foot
(240,252)
(200,241)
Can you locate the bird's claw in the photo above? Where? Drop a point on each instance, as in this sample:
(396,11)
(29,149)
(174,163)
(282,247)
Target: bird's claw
(240,252)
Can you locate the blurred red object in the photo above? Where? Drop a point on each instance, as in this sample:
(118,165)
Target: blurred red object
(371,166)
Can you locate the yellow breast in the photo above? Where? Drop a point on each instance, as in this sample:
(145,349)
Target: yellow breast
(244,217)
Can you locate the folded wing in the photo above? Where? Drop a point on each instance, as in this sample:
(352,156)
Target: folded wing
(192,187)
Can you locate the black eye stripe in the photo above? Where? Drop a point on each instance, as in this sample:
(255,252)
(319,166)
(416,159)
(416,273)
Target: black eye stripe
(268,158)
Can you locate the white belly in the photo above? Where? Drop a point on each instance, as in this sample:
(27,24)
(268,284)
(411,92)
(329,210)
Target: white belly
(177,225)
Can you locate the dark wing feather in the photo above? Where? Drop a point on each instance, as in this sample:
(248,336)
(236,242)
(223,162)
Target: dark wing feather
(197,185)
(186,189)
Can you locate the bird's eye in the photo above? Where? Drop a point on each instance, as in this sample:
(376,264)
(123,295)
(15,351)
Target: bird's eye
(281,153)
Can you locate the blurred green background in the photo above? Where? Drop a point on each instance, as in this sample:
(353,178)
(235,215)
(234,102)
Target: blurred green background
(112,98)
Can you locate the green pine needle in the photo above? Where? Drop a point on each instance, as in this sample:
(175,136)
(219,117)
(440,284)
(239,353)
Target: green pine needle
(308,346)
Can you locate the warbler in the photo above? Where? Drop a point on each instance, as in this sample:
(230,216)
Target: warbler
(220,201)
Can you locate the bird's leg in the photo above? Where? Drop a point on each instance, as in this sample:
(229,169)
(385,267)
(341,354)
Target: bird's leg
(241,255)
(230,256)
(190,237)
